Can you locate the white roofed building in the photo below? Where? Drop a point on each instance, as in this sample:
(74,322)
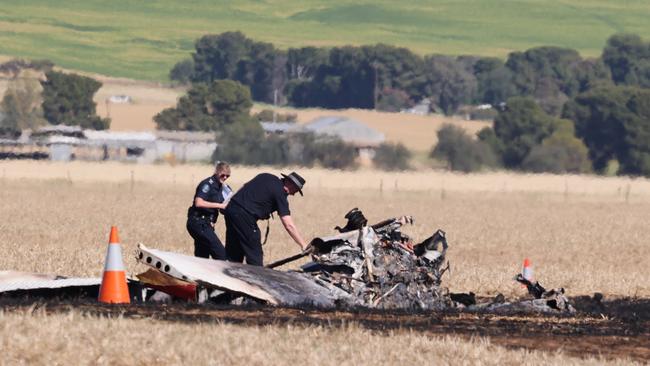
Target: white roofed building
(355,133)
(350,131)
(64,143)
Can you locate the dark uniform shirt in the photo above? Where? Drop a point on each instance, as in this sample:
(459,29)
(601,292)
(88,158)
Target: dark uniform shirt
(262,196)
(210,189)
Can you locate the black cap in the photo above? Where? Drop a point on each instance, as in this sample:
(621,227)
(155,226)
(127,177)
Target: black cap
(295,179)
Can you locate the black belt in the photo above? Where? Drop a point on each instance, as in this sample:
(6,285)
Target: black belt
(197,215)
(204,217)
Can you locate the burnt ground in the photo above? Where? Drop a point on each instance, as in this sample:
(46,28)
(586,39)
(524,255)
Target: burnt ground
(613,328)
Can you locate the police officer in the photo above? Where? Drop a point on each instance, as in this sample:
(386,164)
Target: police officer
(211,195)
(257,200)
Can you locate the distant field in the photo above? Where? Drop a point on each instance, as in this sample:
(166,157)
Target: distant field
(416,132)
(143,39)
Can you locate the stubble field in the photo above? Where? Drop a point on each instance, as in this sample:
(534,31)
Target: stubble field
(586,234)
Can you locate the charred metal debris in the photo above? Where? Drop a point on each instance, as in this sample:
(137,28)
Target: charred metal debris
(379,266)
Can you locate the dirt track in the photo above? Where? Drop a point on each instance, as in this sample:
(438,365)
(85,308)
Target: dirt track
(619,328)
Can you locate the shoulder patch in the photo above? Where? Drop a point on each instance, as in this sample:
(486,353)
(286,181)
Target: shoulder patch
(205,188)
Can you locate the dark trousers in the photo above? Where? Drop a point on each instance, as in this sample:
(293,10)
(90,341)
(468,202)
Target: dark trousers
(242,236)
(206,242)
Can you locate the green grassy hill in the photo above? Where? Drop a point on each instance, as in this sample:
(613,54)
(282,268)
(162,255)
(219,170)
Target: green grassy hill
(143,39)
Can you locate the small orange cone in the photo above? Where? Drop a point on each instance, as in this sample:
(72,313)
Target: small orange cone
(114,289)
(527,271)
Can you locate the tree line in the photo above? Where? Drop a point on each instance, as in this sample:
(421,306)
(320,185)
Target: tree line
(391,78)
(557,112)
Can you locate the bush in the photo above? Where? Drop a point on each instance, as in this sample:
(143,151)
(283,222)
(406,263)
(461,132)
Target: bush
(561,152)
(488,137)
(182,72)
(390,156)
(333,153)
(300,149)
(245,143)
(460,151)
(555,158)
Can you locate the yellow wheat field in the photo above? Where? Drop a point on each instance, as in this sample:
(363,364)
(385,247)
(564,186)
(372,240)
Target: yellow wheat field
(587,234)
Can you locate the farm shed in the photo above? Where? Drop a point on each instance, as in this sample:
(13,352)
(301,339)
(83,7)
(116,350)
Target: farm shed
(355,133)
(125,146)
(350,131)
(65,143)
(185,146)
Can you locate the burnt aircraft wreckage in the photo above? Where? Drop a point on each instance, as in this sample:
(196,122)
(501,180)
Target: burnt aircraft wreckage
(372,266)
(369,266)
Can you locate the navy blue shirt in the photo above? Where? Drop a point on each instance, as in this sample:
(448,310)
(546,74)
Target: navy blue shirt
(262,196)
(210,190)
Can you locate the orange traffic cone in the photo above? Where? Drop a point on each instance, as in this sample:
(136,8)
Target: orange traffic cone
(527,271)
(114,289)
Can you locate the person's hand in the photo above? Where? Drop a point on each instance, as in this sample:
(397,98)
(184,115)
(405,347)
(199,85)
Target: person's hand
(307,249)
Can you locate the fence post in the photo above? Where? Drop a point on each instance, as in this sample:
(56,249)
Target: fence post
(566,189)
(443,194)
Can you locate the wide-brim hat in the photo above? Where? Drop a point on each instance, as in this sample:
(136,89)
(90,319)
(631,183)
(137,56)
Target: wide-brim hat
(295,179)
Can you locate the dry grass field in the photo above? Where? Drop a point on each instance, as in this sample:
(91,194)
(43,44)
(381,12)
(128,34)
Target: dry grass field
(587,234)
(36,338)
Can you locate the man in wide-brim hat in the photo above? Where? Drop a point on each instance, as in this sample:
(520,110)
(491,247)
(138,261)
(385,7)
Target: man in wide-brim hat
(257,200)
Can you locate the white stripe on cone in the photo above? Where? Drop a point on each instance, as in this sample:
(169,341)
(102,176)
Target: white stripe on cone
(114,258)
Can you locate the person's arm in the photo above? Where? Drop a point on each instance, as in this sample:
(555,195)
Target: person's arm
(201,203)
(291,228)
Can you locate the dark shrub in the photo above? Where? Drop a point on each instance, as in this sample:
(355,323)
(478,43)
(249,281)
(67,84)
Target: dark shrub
(460,151)
(333,153)
(389,156)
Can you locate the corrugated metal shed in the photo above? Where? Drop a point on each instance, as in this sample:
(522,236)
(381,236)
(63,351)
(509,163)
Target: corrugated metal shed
(349,130)
(185,136)
(104,137)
